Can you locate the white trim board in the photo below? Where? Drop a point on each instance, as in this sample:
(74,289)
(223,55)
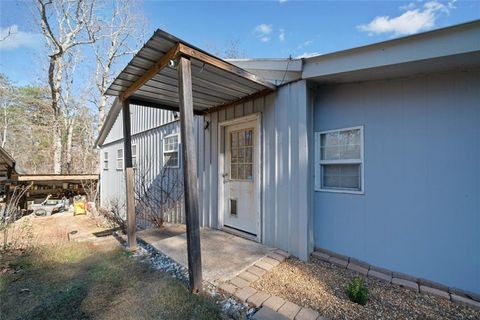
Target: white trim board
(221,165)
(318,162)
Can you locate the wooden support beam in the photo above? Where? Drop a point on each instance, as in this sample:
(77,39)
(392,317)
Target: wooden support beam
(7,188)
(251,97)
(150,104)
(190,174)
(221,64)
(150,73)
(129,178)
(56,177)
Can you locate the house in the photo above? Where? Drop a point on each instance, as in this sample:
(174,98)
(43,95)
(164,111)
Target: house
(371,153)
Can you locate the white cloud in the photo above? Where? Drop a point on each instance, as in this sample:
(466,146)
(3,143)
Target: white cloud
(413,20)
(307,55)
(281,35)
(12,38)
(264,28)
(263,32)
(305,44)
(282,1)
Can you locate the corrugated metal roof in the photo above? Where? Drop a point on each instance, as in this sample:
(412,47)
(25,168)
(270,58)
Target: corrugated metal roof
(211,86)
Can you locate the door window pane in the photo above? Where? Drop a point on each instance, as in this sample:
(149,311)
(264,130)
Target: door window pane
(241,155)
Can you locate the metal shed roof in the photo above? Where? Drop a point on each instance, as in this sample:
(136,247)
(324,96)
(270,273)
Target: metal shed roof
(149,78)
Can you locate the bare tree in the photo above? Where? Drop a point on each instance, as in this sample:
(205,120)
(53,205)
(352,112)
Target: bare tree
(70,106)
(65,25)
(7,34)
(90,188)
(7,96)
(120,32)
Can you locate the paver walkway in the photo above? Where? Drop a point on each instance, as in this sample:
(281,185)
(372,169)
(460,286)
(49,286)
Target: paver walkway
(271,307)
(232,263)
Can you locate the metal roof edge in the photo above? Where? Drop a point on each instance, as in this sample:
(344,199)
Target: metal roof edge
(448,41)
(474,23)
(109,122)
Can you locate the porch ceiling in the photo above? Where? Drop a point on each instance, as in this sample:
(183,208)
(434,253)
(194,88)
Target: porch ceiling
(148,79)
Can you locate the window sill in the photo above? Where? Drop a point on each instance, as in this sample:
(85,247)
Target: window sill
(361,192)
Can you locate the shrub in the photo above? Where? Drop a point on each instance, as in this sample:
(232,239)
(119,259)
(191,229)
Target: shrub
(357,291)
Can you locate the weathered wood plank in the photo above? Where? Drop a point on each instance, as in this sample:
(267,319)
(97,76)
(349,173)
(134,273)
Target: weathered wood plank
(193,53)
(129,177)
(171,54)
(190,174)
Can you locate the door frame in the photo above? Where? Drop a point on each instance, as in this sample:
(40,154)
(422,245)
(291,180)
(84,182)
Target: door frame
(257,117)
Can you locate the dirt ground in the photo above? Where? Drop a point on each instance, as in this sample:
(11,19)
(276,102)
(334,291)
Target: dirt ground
(321,286)
(68,273)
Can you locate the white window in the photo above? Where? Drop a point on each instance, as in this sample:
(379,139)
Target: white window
(134,155)
(120,159)
(339,160)
(171,155)
(105,161)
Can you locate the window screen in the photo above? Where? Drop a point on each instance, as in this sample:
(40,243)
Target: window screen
(105,161)
(120,159)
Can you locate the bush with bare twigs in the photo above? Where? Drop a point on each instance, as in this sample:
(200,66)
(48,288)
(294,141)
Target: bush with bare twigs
(15,235)
(113,215)
(159,197)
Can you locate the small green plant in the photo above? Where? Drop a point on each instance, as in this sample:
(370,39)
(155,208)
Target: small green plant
(357,291)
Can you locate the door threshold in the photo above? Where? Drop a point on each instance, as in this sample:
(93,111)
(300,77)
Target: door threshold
(240,233)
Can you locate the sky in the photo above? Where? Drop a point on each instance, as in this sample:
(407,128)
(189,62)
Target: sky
(262,29)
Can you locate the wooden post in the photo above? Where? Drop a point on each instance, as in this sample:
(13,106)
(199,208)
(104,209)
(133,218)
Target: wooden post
(190,174)
(129,178)
(7,185)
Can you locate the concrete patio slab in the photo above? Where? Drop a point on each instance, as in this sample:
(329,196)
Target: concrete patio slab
(223,255)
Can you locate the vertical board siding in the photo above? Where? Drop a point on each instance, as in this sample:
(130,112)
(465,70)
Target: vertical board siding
(149,126)
(284,136)
(284,168)
(420,213)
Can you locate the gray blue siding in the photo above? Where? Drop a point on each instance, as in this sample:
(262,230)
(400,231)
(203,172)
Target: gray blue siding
(420,213)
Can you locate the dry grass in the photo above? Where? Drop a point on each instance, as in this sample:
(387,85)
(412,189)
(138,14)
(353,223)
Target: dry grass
(59,279)
(76,281)
(321,286)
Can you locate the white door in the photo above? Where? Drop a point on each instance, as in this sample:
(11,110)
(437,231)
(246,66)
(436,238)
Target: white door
(240,178)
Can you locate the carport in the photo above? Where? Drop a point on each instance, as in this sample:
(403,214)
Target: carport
(168,73)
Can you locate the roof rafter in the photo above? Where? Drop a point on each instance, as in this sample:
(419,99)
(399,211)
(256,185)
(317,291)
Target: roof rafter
(150,73)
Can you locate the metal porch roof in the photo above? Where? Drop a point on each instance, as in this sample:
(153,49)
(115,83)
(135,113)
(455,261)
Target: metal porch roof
(215,82)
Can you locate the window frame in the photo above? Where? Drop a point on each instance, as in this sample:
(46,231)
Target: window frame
(105,162)
(134,157)
(319,162)
(171,151)
(122,158)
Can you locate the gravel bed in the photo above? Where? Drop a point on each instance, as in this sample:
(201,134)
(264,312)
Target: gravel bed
(321,286)
(229,307)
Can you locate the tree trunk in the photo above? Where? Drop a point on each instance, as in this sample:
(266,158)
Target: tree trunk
(68,147)
(54,79)
(101,110)
(5,126)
